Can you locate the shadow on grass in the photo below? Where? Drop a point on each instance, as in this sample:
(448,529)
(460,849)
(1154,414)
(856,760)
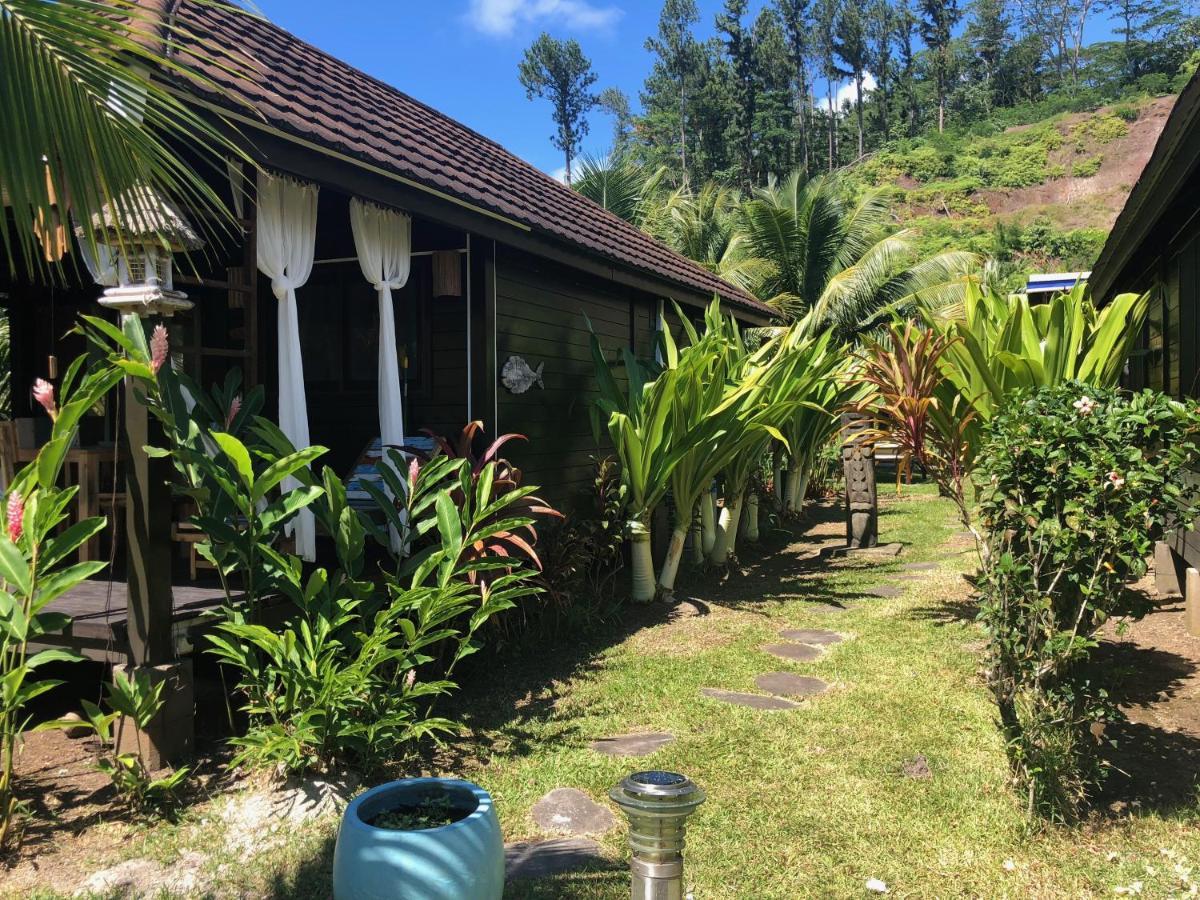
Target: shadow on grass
(509,698)
(312,879)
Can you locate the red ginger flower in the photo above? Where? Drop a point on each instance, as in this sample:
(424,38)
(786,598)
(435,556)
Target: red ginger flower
(16,516)
(43,393)
(159,348)
(235,407)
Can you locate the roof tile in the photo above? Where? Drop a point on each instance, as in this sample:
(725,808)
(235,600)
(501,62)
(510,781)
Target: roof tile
(305,91)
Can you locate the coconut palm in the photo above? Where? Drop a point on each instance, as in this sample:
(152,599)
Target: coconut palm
(89,118)
(621,185)
(838,258)
(705,226)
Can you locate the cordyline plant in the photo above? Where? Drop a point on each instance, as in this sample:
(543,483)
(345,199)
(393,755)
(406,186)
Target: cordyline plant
(1076,485)
(36,566)
(910,405)
(518,541)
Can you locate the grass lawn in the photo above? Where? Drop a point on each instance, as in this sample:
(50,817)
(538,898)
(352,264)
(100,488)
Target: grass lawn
(809,802)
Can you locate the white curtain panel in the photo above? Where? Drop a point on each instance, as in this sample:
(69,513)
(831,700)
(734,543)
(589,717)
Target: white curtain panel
(383,239)
(287,233)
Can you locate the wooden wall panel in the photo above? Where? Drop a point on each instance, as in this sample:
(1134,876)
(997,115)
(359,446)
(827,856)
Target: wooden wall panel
(543,313)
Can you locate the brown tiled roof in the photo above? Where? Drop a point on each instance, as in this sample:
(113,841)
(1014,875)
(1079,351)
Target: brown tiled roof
(303,91)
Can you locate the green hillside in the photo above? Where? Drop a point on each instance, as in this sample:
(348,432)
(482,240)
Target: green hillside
(1035,196)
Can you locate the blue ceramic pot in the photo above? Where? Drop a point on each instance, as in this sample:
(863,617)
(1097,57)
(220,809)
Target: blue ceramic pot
(460,861)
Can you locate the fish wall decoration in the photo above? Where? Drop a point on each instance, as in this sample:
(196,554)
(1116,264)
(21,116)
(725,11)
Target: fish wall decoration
(518,377)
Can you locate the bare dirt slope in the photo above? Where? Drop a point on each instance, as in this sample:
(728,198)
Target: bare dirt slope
(1095,201)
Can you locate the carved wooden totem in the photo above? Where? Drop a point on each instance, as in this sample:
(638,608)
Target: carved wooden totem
(858,465)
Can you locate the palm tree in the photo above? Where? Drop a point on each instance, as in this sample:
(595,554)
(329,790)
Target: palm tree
(621,185)
(838,258)
(705,226)
(90,117)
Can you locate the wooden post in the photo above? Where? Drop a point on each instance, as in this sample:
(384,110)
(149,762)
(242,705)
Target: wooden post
(1167,581)
(148,572)
(1192,600)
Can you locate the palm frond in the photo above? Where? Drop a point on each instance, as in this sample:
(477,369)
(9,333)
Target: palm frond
(90,116)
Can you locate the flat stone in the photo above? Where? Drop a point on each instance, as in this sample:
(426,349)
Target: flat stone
(881,551)
(753,701)
(632,744)
(789,685)
(571,811)
(540,859)
(920,566)
(885,590)
(793,652)
(815,636)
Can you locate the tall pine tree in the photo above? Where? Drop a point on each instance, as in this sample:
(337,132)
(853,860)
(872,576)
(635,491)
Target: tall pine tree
(678,60)
(938,18)
(797,25)
(739,47)
(850,45)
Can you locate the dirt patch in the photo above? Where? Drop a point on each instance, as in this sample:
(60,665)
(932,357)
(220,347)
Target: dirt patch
(1152,667)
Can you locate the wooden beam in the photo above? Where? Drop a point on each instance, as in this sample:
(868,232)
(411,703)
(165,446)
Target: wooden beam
(147,538)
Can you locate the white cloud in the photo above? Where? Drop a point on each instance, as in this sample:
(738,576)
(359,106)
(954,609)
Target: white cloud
(559,174)
(846,93)
(500,18)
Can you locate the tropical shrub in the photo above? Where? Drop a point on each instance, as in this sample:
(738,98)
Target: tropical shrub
(133,703)
(909,405)
(337,682)
(36,564)
(1087,167)
(1077,483)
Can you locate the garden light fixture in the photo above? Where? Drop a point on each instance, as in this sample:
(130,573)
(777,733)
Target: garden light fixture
(658,805)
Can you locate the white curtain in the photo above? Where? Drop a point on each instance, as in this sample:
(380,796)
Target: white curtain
(287,232)
(383,239)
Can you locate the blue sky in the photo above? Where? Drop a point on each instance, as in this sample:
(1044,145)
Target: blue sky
(460,56)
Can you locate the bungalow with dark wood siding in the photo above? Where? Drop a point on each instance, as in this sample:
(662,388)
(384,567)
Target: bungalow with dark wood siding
(1155,246)
(486,272)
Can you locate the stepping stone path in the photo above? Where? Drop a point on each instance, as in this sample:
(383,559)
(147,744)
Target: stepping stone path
(571,811)
(885,590)
(920,566)
(539,859)
(632,744)
(793,652)
(753,701)
(790,685)
(814,636)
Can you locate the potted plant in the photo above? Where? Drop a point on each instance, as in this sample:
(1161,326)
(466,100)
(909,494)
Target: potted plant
(420,839)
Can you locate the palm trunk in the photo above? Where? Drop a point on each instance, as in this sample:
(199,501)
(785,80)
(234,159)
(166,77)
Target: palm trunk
(797,486)
(707,525)
(670,566)
(727,528)
(777,479)
(697,544)
(752,534)
(643,562)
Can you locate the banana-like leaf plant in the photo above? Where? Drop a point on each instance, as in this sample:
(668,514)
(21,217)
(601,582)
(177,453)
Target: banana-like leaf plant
(647,439)
(1003,343)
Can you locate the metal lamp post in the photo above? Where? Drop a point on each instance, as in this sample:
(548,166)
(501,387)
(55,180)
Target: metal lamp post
(658,805)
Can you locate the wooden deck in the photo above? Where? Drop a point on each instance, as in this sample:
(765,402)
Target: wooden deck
(99,618)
